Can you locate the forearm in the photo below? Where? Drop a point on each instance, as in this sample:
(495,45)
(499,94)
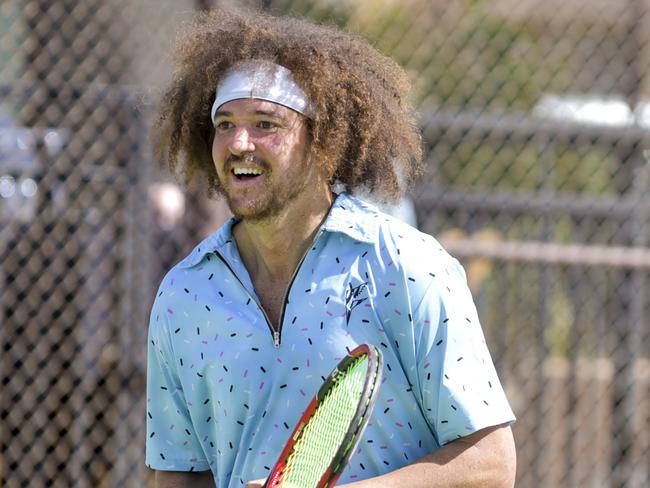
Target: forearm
(484,459)
(174,479)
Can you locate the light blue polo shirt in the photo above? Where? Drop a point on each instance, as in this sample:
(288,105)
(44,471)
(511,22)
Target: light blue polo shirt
(224,392)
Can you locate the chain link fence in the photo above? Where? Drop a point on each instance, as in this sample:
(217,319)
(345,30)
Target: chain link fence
(536,120)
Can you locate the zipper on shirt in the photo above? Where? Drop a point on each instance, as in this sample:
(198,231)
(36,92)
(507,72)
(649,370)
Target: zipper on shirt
(275,333)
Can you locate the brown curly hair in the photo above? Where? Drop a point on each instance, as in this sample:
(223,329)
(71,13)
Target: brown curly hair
(364,131)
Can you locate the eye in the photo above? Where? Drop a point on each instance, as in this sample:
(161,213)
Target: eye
(223,125)
(266,125)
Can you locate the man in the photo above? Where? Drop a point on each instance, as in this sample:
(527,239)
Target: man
(275,114)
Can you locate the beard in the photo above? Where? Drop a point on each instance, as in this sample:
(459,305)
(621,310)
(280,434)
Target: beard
(275,195)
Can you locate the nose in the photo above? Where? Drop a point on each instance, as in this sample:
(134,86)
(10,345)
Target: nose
(241,142)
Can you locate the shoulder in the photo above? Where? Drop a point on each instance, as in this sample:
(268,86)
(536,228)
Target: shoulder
(400,253)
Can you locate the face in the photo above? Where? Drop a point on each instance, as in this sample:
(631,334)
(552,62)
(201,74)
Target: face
(260,154)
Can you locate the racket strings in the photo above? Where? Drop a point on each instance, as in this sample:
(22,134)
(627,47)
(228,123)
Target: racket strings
(326,430)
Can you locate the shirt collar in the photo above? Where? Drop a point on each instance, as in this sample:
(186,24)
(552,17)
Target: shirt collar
(349,215)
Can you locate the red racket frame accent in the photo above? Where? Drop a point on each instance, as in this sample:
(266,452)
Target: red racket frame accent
(352,437)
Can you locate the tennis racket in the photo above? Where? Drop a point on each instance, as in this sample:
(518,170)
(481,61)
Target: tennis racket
(332,425)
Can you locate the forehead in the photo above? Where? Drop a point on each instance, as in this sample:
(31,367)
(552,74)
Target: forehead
(254,106)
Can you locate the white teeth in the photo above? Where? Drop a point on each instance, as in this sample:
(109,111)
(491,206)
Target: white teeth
(246,171)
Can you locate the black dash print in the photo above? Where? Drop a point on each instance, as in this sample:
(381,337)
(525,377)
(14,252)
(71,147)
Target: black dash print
(240,422)
(321,326)
(338,261)
(248,301)
(283,386)
(388,367)
(207,400)
(210,277)
(362,466)
(411,279)
(186,290)
(308,290)
(162,455)
(233,334)
(221,294)
(225,367)
(386,409)
(388,293)
(327,300)
(181,361)
(262,368)
(177,330)
(255,349)
(459,359)
(188,432)
(152,434)
(198,331)
(286,426)
(384,344)
(294,320)
(364,254)
(207,421)
(439,342)
(199,375)
(231,387)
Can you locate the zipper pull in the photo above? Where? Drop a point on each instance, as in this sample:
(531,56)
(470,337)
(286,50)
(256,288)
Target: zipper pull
(276,339)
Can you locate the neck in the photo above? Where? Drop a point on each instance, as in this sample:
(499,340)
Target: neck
(272,248)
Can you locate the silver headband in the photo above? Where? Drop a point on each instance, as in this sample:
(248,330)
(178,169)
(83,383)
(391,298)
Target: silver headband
(263,81)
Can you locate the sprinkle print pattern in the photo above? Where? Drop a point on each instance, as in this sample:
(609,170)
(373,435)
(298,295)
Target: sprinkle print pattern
(222,396)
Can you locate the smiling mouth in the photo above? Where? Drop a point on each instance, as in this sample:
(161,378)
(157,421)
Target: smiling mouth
(244,174)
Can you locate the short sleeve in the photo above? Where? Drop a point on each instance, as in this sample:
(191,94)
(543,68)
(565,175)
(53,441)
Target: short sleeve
(172,443)
(459,387)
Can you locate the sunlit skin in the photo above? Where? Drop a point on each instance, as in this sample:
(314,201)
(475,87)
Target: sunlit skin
(269,138)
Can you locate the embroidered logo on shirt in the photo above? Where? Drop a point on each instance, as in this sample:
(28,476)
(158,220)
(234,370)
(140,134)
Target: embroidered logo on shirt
(354,298)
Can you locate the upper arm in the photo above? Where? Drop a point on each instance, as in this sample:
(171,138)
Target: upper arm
(175,479)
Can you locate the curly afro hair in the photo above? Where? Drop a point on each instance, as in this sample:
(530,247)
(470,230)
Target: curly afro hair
(364,131)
